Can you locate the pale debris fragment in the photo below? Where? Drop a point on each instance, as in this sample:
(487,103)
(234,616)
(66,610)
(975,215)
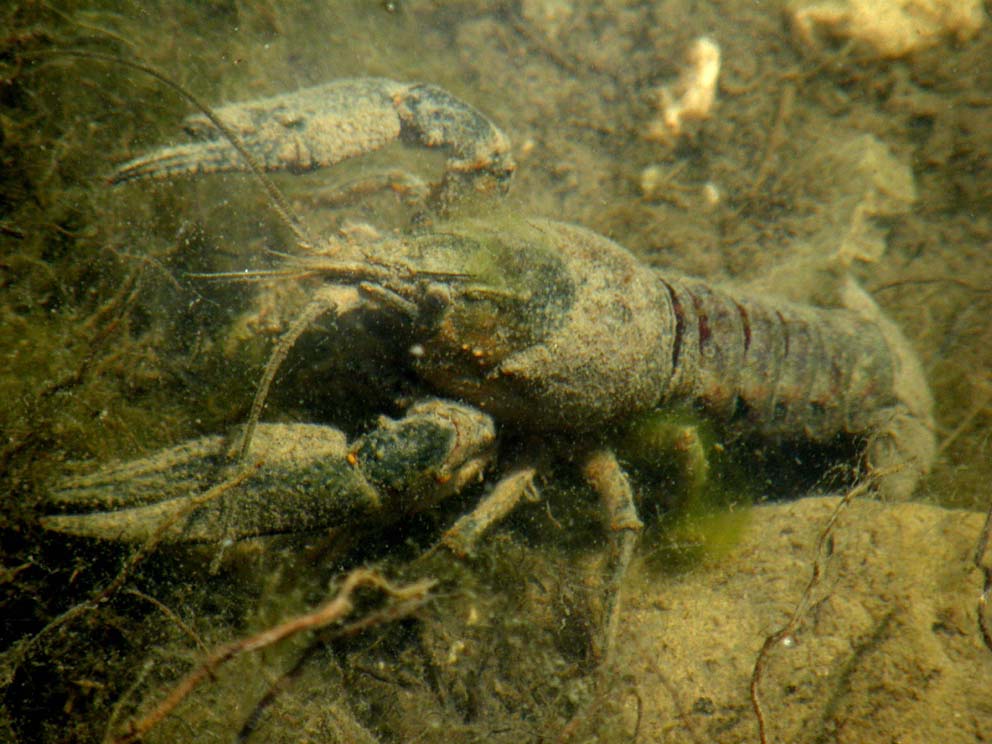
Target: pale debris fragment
(873,184)
(892,28)
(712,195)
(551,17)
(656,182)
(863,185)
(692,97)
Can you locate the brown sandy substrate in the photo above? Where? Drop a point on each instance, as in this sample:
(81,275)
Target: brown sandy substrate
(888,651)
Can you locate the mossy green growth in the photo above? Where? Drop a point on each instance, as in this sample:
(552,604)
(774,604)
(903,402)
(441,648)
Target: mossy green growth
(685,477)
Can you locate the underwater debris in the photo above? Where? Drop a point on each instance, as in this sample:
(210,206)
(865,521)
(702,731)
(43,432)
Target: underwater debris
(692,97)
(890,28)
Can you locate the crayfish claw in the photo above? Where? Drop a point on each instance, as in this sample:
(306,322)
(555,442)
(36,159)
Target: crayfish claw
(326,124)
(294,478)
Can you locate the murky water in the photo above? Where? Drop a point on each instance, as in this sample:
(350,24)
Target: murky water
(111,350)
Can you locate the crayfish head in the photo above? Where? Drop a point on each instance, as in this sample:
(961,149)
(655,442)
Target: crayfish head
(474,295)
(484,293)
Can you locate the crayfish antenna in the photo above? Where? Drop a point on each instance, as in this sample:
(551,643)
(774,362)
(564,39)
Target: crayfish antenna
(279,202)
(249,275)
(327,300)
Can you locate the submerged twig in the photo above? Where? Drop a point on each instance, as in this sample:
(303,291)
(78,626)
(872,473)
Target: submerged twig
(342,716)
(776,137)
(824,547)
(133,561)
(278,201)
(921,281)
(968,419)
(981,548)
(331,611)
(169,614)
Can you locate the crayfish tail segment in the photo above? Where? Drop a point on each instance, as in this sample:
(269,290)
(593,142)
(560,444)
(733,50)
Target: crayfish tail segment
(901,436)
(904,443)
